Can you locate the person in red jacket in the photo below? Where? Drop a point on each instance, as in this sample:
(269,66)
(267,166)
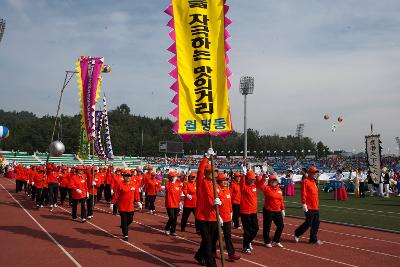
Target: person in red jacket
(52,181)
(93,185)
(102,180)
(151,187)
(310,202)
(41,187)
(33,173)
(64,179)
(248,209)
(79,193)
(225,213)
(116,182)
(107,184)
(274,210)
(206,213)
(146,178)
(125,195)
(173,204)
(189,204)
(236,196)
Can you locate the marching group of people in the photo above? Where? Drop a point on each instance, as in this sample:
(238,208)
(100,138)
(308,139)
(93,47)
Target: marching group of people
(185,193)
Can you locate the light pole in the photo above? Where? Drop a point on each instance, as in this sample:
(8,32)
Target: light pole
(246,87)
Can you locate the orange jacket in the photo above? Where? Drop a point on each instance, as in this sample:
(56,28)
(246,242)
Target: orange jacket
(97,180)
(117,180)
(173,192)
(309,193)
(248,201)
(40,180)
(189,188)
(64,179)
(109,177)
(79,182)
(225,209)
(205,210)
(273,198)
(52,176)
(152,186)
(235,192)
(126,195)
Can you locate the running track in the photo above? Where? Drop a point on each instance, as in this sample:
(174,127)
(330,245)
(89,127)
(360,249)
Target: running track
(33,237)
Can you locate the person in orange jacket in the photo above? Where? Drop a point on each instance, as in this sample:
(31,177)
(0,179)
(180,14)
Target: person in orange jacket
(236,196)
(53,184)
(79,193)
(102,180)
(310,202)
(189,204)
(93,185)
(40,183)
(173,204)
(151,187)
(206,213)
(146,178)
(248,209)
(32,174)
(125,195)
(274,210)
(116,182)
(225,213)
(107,184)
(64,179)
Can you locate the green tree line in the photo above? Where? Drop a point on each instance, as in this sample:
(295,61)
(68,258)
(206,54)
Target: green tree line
(31,133)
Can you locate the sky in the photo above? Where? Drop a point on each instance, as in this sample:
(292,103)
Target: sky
(308,57)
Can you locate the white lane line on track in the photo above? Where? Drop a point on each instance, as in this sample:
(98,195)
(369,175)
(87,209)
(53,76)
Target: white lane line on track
(339,233)
(347,208)
(126,242)
(44,230)
(182,238)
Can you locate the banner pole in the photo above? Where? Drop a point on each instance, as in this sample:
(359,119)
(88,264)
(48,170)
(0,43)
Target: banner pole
(221,245)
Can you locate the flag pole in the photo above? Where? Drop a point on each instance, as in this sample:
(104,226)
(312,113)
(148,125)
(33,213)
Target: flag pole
(221,245)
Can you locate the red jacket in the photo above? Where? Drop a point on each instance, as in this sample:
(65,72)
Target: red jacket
(190,188)
(248,201)
(40,180)
(97,180)
(64,179)
(79,182)
(205,210)
(235,192)
(225,209)
(52,176)
(273,198)
(109,177)
(152,186)
(126,195)
(118,179)
(173,192)
(309,193)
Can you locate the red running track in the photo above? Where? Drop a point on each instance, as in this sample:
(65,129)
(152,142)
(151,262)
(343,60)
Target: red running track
(32,237)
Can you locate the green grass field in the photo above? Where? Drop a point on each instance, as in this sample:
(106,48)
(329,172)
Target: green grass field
(377,212)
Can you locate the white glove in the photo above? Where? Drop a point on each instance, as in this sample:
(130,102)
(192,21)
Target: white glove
(94,183)
(79,191)
(210,152)
(181,205)
(175,179)
(244,169)
(112,192)
(143,194)
(305,207)
(217,201)
(33,183)
(111,206)
(257,170)
(265,169)
(189,196)
(140,206)
(283,213)
(87,194)
(221,222)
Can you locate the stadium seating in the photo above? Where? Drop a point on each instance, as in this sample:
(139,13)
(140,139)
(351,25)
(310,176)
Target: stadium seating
(20,157)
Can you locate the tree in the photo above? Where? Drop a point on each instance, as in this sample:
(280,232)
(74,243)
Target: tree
(124,109)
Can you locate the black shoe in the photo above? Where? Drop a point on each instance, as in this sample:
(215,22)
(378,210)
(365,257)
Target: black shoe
(183,230)
(125,238)
(199,260)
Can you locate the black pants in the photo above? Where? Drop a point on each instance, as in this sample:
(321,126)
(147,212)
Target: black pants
(64,191)
(29,190)
(41,196)
(126,220)
(277,218)
(53,193)
(33,193)
(75,202)
(362,189)
(173,217)
(209,237)
(115,208)
(235,215)
(100,192)
(107,192)
(146,202)
(89,203)
(185,216)
(226,228)
(18,186)
(250,228)
(312,222)
(151,199)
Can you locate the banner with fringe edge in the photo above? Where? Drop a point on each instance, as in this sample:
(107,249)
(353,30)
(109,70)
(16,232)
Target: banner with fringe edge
(89,80)
(199,35)
(98,146)
(109,149)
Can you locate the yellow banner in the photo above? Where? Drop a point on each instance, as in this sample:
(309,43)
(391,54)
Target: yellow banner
(202,93)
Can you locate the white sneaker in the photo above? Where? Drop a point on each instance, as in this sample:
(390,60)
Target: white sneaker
(250,247)
(319,242)
(268,245)
(398,195)
(83,220)
(167,232)
(296,239)
(279,245)
(90,217)
(55,205)
(246,250)
(51,206)
(41,206)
